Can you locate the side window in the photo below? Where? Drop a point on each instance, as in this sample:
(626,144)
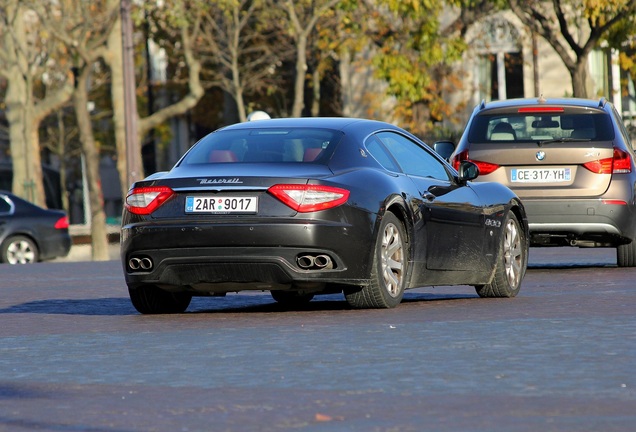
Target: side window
(413,159)
(380,153)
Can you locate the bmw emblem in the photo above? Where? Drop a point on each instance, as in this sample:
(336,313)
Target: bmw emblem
(540,155)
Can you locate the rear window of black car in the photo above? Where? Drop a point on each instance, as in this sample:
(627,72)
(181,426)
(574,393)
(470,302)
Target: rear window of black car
(264,145)
(540,127)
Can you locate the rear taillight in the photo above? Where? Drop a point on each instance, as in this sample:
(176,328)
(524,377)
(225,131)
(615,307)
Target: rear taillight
(308,198)
(62,223)
(461,156)
(145,200)
(484,167)
(620,163)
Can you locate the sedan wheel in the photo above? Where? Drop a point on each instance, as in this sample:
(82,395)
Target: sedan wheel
(149,299)
(19,250)
(511,263)
(388,275)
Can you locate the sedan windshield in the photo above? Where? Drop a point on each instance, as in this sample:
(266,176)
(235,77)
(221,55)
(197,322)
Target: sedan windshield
(264,145)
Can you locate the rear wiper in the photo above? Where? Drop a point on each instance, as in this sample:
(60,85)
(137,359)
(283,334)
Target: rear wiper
(561,140)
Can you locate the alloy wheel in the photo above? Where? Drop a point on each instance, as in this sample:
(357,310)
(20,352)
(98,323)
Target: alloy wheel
(513,253)
(392,254)
(20,252)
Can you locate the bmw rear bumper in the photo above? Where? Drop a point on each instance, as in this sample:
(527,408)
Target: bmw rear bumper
(580,222)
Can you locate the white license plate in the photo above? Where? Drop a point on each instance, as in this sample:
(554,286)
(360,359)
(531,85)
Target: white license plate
(224,204)
(540,175)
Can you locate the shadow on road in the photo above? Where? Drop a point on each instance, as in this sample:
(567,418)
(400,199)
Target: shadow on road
(103,306)
(235,303)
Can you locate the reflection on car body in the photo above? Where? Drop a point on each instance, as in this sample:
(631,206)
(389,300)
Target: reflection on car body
(310,206)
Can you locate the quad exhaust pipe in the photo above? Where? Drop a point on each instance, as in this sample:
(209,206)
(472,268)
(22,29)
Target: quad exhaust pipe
(140,263)
(314,262)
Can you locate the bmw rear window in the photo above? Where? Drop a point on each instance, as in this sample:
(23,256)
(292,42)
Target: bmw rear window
(306,145)
(529,127)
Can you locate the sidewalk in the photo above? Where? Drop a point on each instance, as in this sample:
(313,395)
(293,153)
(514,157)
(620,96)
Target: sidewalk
(82,252)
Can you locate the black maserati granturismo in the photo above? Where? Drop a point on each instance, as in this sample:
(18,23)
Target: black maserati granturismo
(307,206)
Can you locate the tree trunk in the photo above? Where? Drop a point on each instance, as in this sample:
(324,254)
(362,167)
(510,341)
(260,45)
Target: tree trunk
(115,64)
(20,113)
(238,90)
(301,69)
(20,118)
(99,236)
(580,79)
(315,103)
(61,145)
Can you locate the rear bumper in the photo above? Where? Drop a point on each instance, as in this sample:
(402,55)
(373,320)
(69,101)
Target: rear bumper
(57,245)
(577,222)
(221,258)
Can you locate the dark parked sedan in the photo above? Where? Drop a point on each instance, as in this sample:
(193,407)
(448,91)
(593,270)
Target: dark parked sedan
(310,206)
(29,233)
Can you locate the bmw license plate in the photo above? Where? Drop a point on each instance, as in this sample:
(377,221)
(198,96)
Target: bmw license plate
(221,205)
(540,175)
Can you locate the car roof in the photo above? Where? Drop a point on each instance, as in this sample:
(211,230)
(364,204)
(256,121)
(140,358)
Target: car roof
(337,123)
(575,102)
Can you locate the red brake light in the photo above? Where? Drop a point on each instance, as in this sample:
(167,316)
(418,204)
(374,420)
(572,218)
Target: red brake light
(540,109)
(145,200)
(484,167)
(62,223)
(461,156)
(613,202)
(603,166)
(308,198)
(620,163)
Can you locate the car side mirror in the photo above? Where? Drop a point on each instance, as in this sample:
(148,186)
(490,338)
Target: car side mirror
(468,171)
(444,148)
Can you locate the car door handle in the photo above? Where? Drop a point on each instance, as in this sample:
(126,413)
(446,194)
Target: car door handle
(428,196)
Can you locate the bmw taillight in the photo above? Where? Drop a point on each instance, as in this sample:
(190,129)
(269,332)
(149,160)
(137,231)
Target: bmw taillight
(145,200)
(308,198)
(619,163)
(62,223)
(484,167)
(622,162)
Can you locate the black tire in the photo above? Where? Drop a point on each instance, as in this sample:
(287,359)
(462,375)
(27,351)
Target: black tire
(626,255)
(292,299)
(19,250)
(149,299)
(389,269)
(512,262)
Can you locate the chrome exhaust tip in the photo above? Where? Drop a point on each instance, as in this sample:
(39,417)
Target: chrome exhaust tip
(318,262)
(305,261)
(137,263)
(323,262)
